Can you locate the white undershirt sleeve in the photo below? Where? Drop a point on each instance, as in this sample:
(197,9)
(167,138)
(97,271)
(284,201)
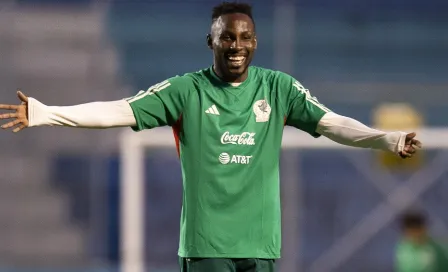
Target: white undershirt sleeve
(350,132)
(90,115)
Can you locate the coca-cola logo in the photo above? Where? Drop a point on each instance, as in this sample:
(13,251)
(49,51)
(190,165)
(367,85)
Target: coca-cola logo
(245,138)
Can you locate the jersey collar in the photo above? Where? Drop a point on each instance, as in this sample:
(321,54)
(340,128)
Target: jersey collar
(229,86)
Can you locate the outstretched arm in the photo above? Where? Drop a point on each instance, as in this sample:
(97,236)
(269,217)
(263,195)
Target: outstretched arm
(348,131)
(306,113)
(32,113)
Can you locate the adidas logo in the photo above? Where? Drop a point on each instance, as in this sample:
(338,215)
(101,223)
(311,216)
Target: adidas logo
(212,110)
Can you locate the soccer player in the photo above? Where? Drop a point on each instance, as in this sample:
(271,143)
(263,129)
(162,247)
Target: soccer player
(228,121)
(417,251)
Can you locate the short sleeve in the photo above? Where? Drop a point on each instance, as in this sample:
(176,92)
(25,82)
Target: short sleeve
(302,110)
(162,104)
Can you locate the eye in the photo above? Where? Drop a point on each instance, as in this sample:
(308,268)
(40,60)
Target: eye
(247,36)
(226,37)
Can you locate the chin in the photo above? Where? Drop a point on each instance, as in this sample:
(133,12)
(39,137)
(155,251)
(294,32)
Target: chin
(237,72)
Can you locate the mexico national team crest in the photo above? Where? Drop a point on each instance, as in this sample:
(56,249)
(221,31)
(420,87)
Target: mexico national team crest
(262,111)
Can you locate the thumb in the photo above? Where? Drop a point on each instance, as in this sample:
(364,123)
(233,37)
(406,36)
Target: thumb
(22,97)
(411,135)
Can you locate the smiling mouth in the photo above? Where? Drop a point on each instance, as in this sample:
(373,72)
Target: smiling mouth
(236,61)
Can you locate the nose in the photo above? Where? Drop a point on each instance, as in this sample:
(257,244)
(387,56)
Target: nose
(236,44)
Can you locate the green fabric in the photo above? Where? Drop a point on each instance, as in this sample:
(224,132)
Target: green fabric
(428,257)
(229,140)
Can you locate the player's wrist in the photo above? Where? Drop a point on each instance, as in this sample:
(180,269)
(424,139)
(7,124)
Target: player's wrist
(395,141)
(37,113)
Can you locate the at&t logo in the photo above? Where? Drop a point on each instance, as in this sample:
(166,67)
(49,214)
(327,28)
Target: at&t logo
(225,158)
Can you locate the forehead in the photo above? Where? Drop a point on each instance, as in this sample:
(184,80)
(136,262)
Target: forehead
(235,22)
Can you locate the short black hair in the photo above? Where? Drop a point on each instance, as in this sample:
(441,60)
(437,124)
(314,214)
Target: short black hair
(230,8)
(413,219)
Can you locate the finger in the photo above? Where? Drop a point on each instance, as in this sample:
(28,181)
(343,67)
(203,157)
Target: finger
(411,135)
(21,96)
(8,107)
(17,129)
(8,115)
(11,124)
(410,151)
(405,154)
(417,143)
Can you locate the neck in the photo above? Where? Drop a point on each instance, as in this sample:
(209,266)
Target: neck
(230,78)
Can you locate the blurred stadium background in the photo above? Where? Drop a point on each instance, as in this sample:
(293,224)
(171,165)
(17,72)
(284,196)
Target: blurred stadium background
(59,187)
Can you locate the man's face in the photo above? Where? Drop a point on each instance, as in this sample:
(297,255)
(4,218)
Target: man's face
(416,235)
(233,42)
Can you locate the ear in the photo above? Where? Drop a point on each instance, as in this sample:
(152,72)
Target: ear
(209,41)
(256,42)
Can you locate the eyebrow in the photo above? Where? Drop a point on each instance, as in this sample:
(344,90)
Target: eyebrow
(243,32)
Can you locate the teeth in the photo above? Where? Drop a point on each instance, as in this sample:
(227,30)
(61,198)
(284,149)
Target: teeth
(239,58)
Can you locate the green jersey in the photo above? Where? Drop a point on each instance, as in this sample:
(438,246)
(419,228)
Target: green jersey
(428,257)
(229,141)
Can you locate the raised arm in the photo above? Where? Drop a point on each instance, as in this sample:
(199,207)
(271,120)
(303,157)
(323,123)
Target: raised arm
(305,112)
(100,115)
(160,105)
(348,131)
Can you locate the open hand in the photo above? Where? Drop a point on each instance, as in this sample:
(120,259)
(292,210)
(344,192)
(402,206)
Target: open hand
(410,146)
(18,114)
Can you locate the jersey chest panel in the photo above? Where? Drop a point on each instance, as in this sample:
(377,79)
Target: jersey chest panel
(232,129)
